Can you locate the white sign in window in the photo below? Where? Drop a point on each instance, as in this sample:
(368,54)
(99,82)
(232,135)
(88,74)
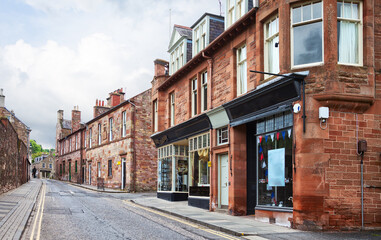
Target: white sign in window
(276,167)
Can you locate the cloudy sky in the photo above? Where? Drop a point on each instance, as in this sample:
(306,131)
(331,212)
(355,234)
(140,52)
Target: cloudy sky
(58,54)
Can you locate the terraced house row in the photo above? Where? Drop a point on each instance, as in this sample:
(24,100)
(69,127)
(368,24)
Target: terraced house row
(272,110)
(277,115)
(113,148)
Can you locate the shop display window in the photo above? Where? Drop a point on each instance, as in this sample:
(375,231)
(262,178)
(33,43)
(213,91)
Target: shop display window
(200,160)
(173,161)
(274,159)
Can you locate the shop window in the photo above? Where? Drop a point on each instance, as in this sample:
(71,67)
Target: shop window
(222,136)
(173,157)
(199,160)
(307,34)
(349,32)
(274,162)
(204,91)
(241,71)
(110,168)
(272,45)
(194,97)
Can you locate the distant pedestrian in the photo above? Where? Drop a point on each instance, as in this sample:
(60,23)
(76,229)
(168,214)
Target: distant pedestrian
(34,170)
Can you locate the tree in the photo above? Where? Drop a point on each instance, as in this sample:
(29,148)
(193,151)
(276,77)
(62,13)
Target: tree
(35,147)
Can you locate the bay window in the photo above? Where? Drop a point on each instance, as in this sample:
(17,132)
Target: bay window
(307,34)
(349,32)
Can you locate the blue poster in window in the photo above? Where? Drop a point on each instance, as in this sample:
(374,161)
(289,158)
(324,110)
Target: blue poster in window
(276,168)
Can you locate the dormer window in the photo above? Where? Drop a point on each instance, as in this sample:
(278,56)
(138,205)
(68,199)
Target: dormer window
(199,36)
(178,47)
(235,9)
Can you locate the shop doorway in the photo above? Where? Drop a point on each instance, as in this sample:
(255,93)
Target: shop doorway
(123,173)
(223,180)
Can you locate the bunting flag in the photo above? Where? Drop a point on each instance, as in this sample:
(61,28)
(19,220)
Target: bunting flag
(261,156)
(289,132)
(266,137)
(284,134)
(264,164)
(272,137)
(277,136)
(260,149)
(260,139)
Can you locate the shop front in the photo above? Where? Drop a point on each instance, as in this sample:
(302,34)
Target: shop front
(183,158)
(267,115)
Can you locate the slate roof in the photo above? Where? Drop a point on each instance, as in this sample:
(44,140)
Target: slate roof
(184,31)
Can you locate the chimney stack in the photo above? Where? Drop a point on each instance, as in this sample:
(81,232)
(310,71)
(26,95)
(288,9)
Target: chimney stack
(75,119)
(2,98)
(115,98)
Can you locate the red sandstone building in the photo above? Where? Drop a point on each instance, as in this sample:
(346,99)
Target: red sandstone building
(285,147)
(113,148)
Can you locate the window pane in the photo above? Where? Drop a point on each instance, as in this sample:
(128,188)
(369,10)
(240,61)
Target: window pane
(308,43)
(339,9)
(347,42)
(347,13)
(296,15)
(317,9)
(355,11)
(306,12)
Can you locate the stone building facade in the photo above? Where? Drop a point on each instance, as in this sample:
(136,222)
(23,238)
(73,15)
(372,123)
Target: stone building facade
(119,149)
(70,149)
(114,147)
(14,154)
(45,165)
(282,147)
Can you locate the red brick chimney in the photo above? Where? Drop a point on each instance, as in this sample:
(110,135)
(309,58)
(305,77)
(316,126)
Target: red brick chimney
(161,73)
(75,119)
(116,97)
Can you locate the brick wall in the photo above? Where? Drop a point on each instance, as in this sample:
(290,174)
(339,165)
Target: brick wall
(13,158)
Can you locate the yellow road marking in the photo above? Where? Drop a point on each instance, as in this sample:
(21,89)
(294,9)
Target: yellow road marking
(182,221)
(39,214)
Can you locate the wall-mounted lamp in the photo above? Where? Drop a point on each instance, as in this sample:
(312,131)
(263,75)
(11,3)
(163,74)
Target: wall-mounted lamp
(323,116)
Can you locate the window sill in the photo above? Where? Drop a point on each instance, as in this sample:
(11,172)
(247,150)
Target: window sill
(308,65)
(350,64)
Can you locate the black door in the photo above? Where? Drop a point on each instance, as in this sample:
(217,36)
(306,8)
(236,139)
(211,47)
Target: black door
(251,168)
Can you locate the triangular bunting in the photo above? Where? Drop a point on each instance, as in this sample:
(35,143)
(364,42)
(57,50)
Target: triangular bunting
(284,134)
(277,136)
(289,132)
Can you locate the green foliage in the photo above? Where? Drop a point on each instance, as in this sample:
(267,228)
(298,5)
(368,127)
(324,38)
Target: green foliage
(36,148)
(34,155)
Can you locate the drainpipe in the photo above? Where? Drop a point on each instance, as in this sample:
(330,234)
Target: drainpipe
(210,61)
(133,118)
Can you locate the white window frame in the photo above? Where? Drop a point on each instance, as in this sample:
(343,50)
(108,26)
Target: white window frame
(90,136)
(99,133)
(99,169)
(85,139)
(197,143)
(293,66)
(110,120)
(241,66)
(220,131)
(359,23)
(230,13)
(194,96)
(69,144)
(268,38)
(172,109)
(201,36)
(204,91)
(124,123)
(156,116)
(76,141)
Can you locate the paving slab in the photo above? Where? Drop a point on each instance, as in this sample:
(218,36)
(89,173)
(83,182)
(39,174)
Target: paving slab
(20,202)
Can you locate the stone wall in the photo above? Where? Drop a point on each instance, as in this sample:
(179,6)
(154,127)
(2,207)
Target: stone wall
(13,158)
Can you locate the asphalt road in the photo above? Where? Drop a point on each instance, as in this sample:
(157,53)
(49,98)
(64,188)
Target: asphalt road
(67,212)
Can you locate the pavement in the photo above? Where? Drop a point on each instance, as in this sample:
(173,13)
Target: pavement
(15,208)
